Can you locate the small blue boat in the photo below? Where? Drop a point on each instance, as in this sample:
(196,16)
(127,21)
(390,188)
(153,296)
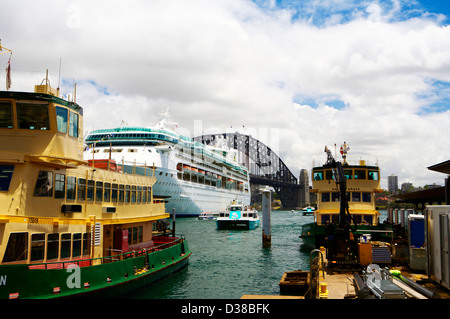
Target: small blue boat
(238,216)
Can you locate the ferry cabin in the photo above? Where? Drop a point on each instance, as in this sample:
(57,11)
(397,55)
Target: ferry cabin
(363,182)
(54,207)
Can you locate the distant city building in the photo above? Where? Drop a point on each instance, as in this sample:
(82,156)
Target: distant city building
(304,192)
(407,187)
(393,184)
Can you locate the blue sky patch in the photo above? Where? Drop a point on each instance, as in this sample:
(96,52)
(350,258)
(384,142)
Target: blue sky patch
(323,12)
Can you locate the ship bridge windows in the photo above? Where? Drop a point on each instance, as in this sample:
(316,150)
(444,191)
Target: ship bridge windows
(348,174)
(6,114)
(62,115)
(318,175)
(373,175)
(73,124)
(32,116)
(66,121)
(360,174)
(6,172)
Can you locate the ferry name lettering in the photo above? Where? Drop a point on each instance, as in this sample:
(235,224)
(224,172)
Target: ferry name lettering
(348,189)
(3,280)
(33,220)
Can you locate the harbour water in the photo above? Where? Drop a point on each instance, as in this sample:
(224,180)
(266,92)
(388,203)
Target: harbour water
(226,264)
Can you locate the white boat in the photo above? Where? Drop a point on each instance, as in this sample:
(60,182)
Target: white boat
(191,177)
(208,216)
(308,210)
(238,216)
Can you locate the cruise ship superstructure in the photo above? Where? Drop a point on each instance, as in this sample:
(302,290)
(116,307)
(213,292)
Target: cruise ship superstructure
(191,177)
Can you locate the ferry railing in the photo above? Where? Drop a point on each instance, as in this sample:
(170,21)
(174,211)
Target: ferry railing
(108,259)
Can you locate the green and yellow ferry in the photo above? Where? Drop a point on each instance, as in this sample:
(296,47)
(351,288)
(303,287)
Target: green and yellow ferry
(362,183)
(70,227)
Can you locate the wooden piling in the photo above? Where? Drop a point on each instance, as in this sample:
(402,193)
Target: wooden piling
(266,208)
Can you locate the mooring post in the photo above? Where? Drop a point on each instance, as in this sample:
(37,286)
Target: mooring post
(266,207)
(173,223)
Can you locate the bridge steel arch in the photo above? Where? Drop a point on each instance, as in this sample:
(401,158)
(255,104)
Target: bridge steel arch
(270,169)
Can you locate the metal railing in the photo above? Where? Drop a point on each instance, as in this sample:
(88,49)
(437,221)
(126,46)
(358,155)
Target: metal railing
(109,259)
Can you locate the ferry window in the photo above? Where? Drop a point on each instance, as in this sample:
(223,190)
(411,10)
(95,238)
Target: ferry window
(127,194)
(61,119)
(373,175)
(90,190)
(99,191)
(17,248)
(73,124)
(335,197)
(66,243)
(6,172)
(107,193)
(133,194)
(86,244)
(348,174)
(360,174)
(52,246)
(329,174)
(140,234)
(114,190)
(59,185)
(130,236)
(139,194)
(37,247)
(368,219)
(81,191)
(134,235)
(356,197)
(149,194)
(318,176)
(144,194)
(71,187)
(325,219)
(357,219)
(6,115)
(366,197)
(32,116)
(325,197)
(121,193)
(76,251)
(44,184)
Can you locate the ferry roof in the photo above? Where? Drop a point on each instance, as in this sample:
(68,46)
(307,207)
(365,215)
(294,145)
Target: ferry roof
(40,97)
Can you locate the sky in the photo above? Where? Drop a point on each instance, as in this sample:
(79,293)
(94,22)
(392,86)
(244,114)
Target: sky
(298,75)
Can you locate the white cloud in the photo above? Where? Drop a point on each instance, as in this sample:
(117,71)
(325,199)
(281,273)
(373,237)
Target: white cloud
(232,63)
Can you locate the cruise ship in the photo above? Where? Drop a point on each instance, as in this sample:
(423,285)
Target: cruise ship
(191,177)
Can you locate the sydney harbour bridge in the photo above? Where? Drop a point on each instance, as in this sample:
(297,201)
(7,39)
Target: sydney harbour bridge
(265,168)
